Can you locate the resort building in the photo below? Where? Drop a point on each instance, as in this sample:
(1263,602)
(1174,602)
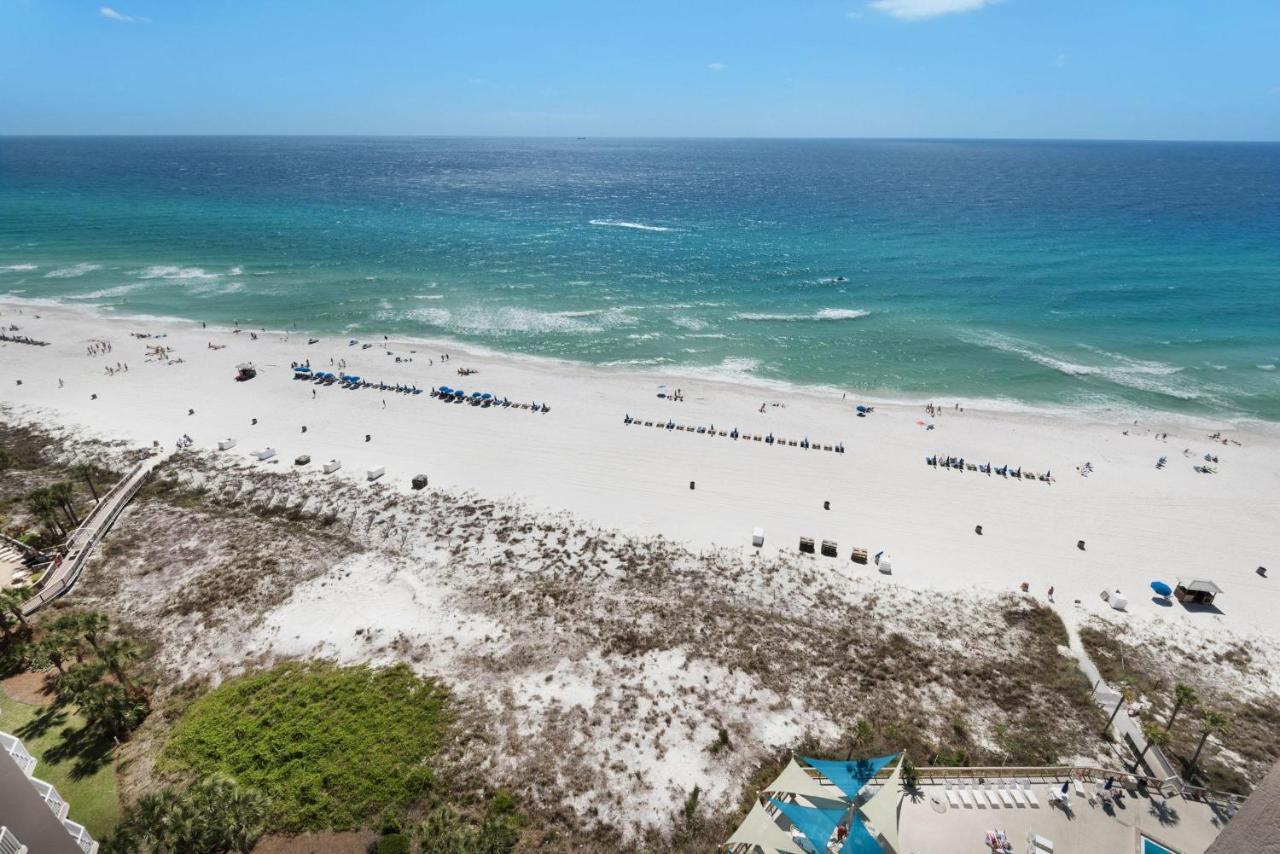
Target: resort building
(33,816)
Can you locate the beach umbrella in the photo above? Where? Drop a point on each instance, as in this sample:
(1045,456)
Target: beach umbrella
(486,396)
(444,389)
(1161,588)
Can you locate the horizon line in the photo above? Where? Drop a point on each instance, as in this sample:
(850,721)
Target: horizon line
(621,137)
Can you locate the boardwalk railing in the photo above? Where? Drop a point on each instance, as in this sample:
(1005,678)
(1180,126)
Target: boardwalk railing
(84,539)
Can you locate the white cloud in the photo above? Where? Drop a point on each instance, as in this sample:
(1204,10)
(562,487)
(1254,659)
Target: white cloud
(716,66)
(108,12)
(919,10)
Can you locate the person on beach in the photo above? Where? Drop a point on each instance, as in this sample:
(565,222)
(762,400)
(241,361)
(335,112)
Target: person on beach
(1050,593)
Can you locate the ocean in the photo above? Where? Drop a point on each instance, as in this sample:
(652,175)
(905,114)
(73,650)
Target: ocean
(1084,275)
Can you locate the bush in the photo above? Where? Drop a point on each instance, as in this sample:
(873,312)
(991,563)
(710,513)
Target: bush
(332,747)
(212,817)
(393,843)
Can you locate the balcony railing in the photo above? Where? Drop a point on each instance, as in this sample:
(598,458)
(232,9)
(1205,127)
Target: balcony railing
(13,746)
(50,796)
(9,843)
(81,836)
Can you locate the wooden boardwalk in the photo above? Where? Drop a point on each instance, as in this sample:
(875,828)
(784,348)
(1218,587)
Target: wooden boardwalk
(84,539)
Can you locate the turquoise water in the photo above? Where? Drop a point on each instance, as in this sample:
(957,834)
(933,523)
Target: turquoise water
(1150,846)
(1117,275)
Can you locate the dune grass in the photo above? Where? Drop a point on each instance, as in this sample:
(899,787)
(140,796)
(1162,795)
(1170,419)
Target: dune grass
(332,747)
(76,763)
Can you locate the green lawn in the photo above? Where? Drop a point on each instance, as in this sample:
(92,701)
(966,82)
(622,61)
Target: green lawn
(78,767)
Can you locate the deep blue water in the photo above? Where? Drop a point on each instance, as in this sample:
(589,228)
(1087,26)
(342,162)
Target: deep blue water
(1059,273)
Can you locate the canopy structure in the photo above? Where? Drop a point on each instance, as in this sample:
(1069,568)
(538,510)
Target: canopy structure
(849,775)
(760,830)
(816,823)
(881,811)
(796,781)
(860,840)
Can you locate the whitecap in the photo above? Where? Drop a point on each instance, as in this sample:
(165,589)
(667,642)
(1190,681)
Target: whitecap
(72,272)
(823,314)
(638,226)
(106,293)
(693,324)
(19,268)
(175,273)
(1266,367)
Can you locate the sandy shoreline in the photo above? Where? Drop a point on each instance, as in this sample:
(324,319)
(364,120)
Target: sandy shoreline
(1139,523)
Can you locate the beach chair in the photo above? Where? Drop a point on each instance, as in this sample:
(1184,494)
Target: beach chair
(859,556)
(721,433)
(1084,791)
(1031,797)
(793,443)
(806,545)
(953,799)
(829,548)
(1018,799)
(983,797)
(1005,797)
(966,798)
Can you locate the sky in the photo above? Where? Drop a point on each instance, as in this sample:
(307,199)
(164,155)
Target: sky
(1061,69)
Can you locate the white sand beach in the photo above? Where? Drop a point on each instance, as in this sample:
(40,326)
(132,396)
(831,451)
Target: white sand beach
(520,598)
(1138,522)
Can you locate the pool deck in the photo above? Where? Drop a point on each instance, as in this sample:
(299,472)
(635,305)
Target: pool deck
(1187,827)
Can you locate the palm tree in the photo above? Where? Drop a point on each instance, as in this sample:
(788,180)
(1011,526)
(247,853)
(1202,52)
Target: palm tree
(116,655)
(42,506)
(1210,722)
(92,625)
(85,470)
(860,737)
(1156,737)
(58,646)
(1126,696)
(11,602)
(1183,694)
(63,494)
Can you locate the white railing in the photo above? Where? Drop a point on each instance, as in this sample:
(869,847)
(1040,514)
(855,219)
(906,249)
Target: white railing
(9,843)
(81,836)
(50,796)
(17,750)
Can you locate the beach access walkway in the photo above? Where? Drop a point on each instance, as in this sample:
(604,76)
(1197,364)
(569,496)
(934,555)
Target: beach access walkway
(80,545)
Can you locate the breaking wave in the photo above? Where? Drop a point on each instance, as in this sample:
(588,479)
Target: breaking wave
(18,268)
(170,272)
(1139,374)
(824,314)
(638,226)
(72,272)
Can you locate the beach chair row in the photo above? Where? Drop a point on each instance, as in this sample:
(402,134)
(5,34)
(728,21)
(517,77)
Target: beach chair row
(959,464)
(735,434)
(1012,796)
(23,339)
(484,400)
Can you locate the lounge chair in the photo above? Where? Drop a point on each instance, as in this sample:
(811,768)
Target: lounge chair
(966,798)
(952,799)
(1031,797)
(1018,799)
(1005,797)
(980,796)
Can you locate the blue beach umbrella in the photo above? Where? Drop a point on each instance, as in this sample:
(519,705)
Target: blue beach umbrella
(485,396)
(1161,588)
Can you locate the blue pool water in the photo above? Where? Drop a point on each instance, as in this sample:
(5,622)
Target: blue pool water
(1150,846)
(1113,275)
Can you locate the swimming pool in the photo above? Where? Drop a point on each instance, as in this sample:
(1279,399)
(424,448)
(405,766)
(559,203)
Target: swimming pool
(1150,846)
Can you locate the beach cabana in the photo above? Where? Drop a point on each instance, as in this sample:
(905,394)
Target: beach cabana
(1198,591)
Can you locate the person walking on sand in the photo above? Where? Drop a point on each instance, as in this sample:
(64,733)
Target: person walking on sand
(1050,592)
(59,383)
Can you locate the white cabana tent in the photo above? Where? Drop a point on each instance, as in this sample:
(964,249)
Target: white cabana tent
(759,830)
(881,811)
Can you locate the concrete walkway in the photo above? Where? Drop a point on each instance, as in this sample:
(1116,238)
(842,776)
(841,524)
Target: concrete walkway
(93,528)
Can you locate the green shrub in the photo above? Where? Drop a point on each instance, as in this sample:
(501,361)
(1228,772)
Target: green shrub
(393,843)
(332,747)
